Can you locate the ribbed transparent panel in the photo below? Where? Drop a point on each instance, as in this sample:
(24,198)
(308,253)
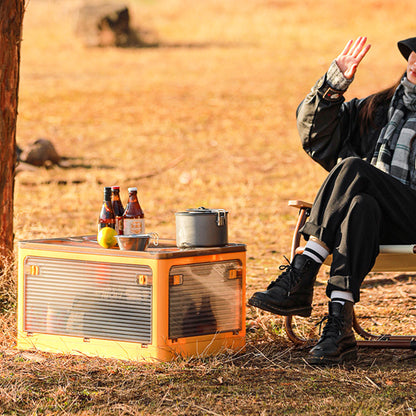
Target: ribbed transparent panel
(88,299)
(207,301)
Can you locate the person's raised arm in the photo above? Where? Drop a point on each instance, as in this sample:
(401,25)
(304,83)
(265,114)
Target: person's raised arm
(326,123)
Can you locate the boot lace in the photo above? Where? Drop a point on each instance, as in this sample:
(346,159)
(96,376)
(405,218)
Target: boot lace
(333,326)
(287,279)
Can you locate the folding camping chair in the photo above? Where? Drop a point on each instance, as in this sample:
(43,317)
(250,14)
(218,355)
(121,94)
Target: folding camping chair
(392,258)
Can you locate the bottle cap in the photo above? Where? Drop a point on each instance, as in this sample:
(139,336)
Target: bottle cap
(115,188)
(132,189)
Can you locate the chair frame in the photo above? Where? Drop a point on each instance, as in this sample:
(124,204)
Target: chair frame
(391,258)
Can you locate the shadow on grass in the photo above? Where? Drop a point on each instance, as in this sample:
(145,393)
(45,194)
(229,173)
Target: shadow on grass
(388,281)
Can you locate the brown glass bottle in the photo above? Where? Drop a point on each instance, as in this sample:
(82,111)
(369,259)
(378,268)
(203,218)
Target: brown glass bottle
(133,218)
(107,217)
(117,208)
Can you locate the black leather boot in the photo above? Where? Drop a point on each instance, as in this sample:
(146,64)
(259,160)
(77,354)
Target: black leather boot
(337,343)
(292,292)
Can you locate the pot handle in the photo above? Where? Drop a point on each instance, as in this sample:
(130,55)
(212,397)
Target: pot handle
(155,237)
(221,217)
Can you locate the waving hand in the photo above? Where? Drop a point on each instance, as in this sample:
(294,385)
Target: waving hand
(351,56)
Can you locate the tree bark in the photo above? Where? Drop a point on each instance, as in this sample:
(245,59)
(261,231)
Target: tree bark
(11,20)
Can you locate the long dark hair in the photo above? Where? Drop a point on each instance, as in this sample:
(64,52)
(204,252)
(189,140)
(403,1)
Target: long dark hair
(370,105)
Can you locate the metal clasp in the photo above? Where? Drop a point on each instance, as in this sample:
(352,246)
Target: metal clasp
(221,217)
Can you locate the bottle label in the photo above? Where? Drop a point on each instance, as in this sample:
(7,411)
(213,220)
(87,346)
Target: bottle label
(119,225)
(133,226)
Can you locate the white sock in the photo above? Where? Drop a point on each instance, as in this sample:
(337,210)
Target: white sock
(315,251)
(341,296)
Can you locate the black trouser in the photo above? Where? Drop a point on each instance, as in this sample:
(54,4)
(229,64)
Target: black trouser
(357,208)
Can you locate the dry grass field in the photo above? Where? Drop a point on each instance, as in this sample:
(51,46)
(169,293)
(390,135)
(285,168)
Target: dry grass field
(207,118)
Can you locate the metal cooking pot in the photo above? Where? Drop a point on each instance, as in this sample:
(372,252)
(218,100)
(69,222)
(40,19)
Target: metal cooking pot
(201,227)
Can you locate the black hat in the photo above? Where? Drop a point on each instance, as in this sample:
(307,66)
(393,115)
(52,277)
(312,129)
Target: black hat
(407,46)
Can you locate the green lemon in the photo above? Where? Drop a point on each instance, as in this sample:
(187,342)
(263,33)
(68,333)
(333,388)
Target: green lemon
(106,237)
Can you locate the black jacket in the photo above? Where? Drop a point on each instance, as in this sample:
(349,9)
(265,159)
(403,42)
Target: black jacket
(329,127)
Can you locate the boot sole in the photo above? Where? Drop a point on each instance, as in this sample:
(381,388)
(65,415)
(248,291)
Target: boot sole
(304,312)
(345,356)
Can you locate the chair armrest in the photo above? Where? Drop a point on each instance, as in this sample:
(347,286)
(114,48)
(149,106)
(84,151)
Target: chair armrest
(299,204)
(398,249)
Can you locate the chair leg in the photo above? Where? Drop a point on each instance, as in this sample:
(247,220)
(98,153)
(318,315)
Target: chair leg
(395,342)
(295,338)
(384,340)
(361,331)
(303,215)
(370,340)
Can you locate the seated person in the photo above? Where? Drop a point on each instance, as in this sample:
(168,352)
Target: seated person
(368,198)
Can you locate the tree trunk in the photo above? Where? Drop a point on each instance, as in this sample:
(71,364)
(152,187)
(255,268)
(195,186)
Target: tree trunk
(11,19)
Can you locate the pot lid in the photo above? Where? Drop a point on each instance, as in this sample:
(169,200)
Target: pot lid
(203,210)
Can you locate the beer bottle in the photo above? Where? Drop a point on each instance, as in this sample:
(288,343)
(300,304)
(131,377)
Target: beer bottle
(117,208)
(133,218)
(107,217)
